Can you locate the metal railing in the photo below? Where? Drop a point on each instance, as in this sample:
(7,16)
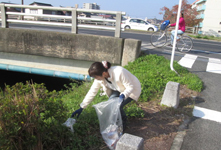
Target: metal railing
(73,19)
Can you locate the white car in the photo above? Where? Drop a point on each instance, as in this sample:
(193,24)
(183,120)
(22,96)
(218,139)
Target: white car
(138,24)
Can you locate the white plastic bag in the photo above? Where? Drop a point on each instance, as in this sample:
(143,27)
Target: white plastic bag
(69,123)
(109,116)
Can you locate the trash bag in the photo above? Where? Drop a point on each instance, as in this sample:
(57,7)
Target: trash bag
(111,126)
(69,123)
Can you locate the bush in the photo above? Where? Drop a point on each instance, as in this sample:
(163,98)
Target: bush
(205,37)
(31,118)
(198,36)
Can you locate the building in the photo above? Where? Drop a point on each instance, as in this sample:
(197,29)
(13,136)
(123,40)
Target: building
(11,9)
(210,12)
(40,11)
(91,6)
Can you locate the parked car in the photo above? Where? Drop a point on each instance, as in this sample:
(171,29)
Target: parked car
(138,24)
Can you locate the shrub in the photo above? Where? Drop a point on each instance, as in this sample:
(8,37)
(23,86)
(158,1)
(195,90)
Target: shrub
(205,37)
(31,118)
(198,36)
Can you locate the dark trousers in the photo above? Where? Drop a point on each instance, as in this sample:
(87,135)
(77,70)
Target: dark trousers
(125,102)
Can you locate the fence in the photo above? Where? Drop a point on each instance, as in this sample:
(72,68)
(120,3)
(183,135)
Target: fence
(73,18)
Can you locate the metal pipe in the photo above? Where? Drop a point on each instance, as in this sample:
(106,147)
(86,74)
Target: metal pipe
(175,36)
(39,15)
(96,27)
(45,72)
(39,22)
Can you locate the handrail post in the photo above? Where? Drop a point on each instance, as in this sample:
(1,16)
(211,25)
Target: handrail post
(74,28)
(118,24)
(3,16)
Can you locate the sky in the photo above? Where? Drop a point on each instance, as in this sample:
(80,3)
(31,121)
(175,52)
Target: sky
(134,8)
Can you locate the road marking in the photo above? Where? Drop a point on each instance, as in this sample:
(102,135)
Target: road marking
(214,66)
(187,61)
(207,114)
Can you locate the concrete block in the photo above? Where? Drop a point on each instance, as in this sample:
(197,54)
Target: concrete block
(171,95)
(131,51)
(130,142)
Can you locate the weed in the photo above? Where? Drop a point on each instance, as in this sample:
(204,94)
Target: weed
(31,118)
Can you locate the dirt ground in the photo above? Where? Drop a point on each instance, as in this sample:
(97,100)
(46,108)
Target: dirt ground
(160,124)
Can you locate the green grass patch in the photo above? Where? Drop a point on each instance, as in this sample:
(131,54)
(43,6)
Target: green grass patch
(154,72)
(199,36)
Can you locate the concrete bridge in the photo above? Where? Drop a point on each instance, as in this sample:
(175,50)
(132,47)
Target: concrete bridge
(65,55)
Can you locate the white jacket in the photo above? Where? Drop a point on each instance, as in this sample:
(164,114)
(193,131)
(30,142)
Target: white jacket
(123,81)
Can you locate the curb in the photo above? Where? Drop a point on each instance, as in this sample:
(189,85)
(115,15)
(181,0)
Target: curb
(178,140)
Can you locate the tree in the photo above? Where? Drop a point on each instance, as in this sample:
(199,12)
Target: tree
(190,14)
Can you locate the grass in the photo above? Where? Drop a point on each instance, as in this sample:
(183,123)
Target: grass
(152,71)
(199,36)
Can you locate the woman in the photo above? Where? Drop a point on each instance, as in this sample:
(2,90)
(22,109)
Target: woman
(181,28)
(116,81)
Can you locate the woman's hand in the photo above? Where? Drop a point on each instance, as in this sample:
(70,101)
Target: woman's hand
(122,96)
(79,111)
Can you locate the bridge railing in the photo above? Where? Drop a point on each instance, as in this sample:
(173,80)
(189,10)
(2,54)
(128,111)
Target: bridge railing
(73,19)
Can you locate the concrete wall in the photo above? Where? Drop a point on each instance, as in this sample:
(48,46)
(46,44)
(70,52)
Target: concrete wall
(61,54)
(131,51)
(62,45)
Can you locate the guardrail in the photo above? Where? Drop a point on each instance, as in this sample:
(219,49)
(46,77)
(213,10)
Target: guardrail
(74,19)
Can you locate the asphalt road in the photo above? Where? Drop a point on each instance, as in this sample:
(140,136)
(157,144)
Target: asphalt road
(202,134)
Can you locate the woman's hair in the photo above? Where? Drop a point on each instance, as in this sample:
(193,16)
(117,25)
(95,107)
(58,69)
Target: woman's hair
(182,15)
(97,68)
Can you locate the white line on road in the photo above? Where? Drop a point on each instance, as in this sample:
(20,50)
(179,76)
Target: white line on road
(187,61)
(214,66)
(207,114)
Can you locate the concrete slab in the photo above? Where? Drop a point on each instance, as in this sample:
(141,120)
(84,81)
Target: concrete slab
(130,142)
